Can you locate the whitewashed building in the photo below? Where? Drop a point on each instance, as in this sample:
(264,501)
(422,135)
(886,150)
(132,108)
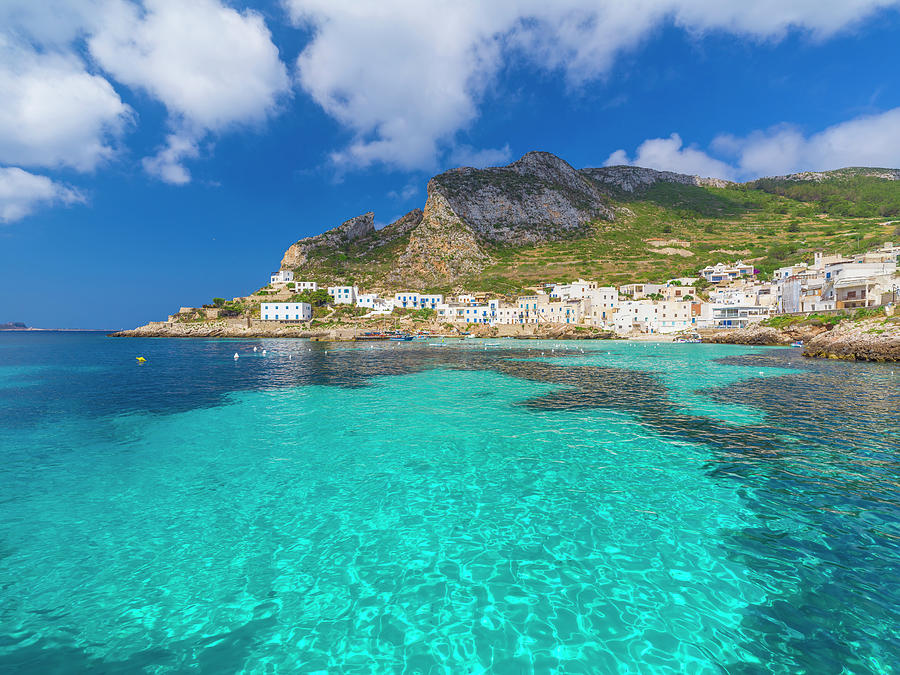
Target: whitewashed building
(281,277)
(343,295)
(374,303)
(302,286)
(406,300)
(285,311)
(716,274)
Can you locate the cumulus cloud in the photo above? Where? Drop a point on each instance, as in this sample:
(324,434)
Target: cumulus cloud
(53,112)
(405,76)
(669,154)
(22,192)
(871,140)
(212,66)
(168,163)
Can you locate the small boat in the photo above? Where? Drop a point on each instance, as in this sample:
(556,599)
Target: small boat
(401,338)
(797,343)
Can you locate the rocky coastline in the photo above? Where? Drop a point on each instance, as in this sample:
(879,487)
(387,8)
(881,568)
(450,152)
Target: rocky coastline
(347,332)
(875,339)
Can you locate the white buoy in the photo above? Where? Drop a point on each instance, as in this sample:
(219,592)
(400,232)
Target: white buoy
(254,349)
(264,352)
(236,357)
(290,356)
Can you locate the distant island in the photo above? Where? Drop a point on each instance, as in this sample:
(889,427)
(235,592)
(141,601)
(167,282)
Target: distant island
(13,325)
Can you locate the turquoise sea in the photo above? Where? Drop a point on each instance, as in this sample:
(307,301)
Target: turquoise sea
(482,507)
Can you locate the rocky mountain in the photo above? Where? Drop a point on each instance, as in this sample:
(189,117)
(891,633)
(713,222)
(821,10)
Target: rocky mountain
(838,174)
(636,178)
(500,222)
(536,199)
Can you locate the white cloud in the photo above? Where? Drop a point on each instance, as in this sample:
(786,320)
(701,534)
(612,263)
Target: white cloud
(212,67)
(53,112)
(209,64)
(405,76)
(466,155)
(22,192)
(168,163)
(669,154)
(872,140)
(409,191)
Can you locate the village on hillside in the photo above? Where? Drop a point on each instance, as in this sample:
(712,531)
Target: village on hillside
(727,295)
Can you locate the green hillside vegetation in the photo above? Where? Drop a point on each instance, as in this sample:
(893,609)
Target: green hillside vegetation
(849,196)
(769,222)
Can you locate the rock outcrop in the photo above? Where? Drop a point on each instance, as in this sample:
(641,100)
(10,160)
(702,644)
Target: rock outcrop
(752,335)
(441,247)
(350,230)
(538,198)
(872,340)
(635,178)
(849,172)
(869,340)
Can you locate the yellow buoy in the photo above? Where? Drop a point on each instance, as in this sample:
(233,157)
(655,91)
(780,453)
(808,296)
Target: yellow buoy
(140,359)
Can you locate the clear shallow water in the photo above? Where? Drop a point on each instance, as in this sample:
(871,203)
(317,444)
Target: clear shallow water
(633,508)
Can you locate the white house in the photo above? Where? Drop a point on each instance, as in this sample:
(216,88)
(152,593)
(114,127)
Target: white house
(430,301)
(636,315)
(675,316)
(343,295)
(281,277)
(721,272)
(374,303)
(738,316)
(600,304)
(406,300)
(285,311)
(306,286)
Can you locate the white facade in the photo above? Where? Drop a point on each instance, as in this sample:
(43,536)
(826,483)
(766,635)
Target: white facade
(431,301)
(674,317)
(721,272)
(406,300)
(639,291)
(343,295)
(636,316)
(285,311)
(600,305)
(738,316)
(281,277)
(306,286)
(372,302)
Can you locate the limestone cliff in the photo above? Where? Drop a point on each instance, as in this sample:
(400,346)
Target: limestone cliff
(538,198)
(441,248)
(470,212)
(348,231)
(849,172)
(635,178)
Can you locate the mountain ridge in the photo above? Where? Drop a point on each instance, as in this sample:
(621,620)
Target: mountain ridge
(473,217)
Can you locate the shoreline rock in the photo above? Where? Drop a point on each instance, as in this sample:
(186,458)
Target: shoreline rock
(875,339)
(863,341)
(240,329)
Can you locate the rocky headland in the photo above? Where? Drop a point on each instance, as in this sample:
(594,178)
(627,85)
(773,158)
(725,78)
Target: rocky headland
(873,339)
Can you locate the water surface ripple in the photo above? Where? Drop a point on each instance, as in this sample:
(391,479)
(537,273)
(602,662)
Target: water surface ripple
(501,506)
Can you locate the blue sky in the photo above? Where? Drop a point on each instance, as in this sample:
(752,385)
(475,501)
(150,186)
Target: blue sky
(158,153)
